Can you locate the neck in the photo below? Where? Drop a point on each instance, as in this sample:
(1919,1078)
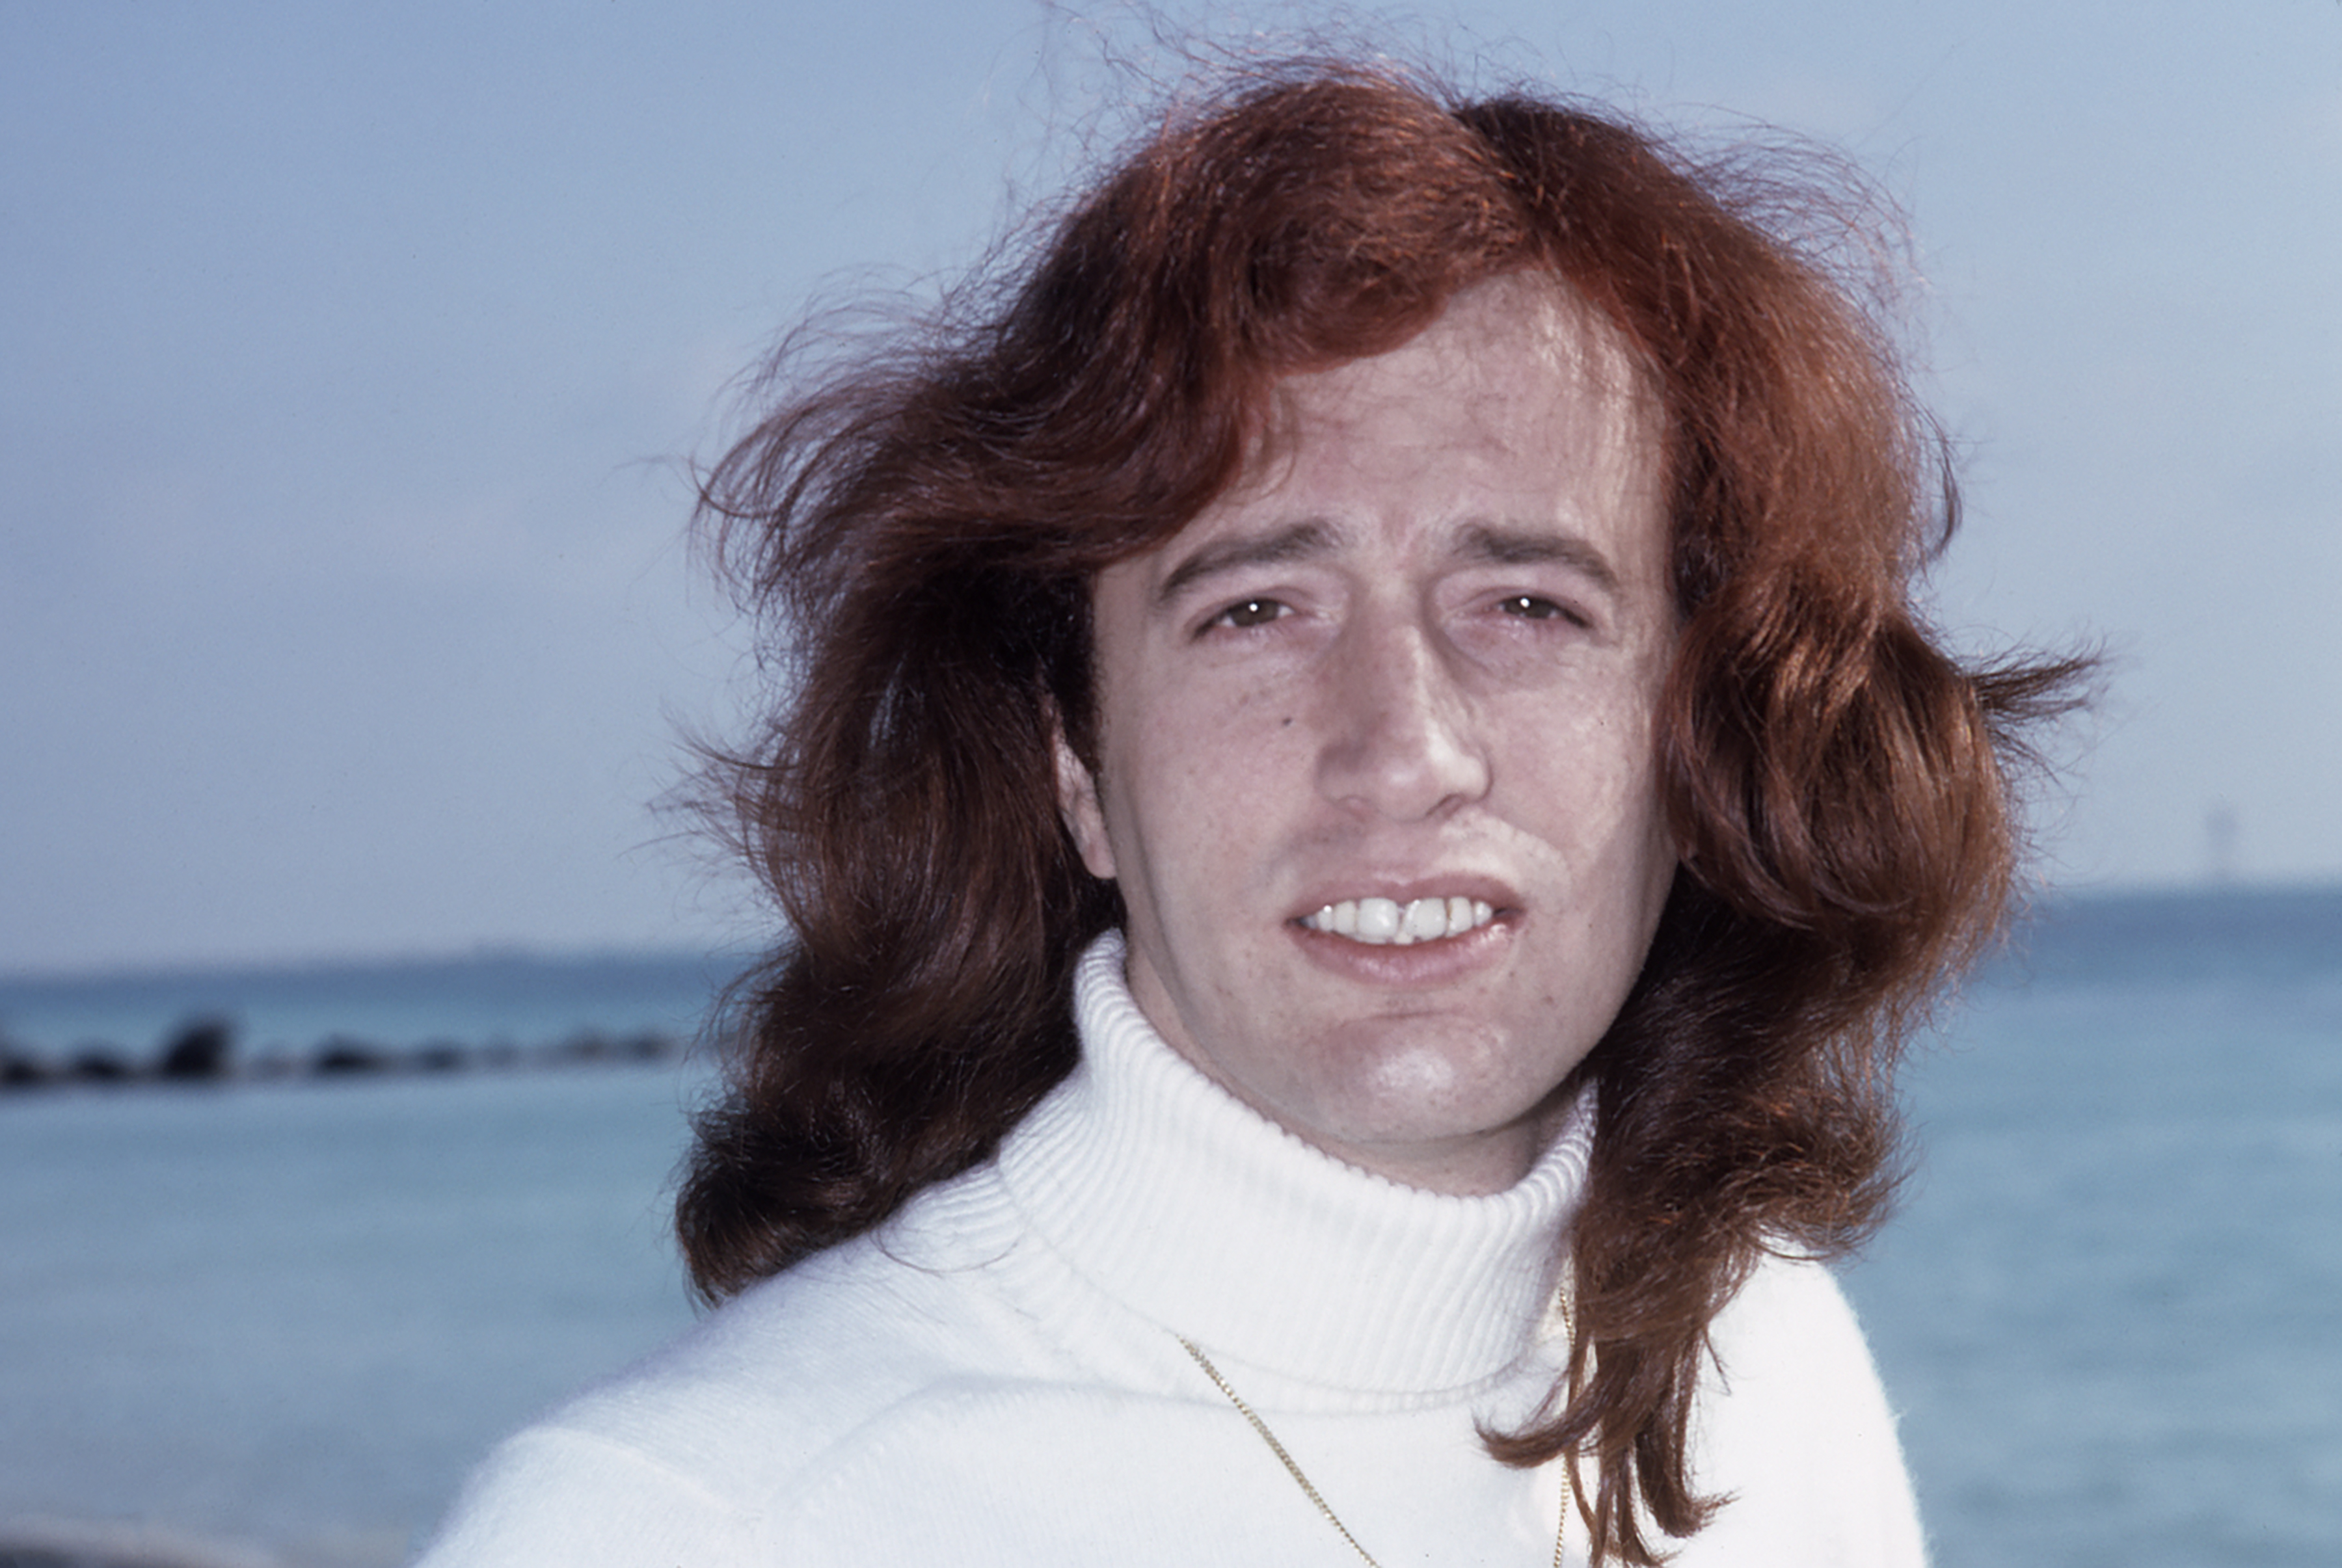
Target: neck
(1215,1222)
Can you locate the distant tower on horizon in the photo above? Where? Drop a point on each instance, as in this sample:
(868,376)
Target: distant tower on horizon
(2221,832)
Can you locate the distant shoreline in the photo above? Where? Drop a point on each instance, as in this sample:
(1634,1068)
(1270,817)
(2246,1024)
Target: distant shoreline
(205,1051)
(481,1012)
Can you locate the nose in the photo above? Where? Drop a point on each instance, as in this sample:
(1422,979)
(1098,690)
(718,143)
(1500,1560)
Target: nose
(1398,737)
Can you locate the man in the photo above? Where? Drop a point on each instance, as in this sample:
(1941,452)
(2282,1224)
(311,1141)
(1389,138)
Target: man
(1361,808)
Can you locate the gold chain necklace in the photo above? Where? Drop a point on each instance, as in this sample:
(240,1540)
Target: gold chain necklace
(1559,1535)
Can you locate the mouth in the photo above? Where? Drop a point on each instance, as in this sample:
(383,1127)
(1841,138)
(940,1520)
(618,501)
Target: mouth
(1388,922)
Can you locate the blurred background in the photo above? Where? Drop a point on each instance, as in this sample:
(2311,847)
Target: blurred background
(351,359)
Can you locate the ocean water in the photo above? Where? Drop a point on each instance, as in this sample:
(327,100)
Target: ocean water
(2111,1309)
(281,1317)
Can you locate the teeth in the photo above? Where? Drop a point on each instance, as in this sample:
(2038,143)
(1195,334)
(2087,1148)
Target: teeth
(1386,922)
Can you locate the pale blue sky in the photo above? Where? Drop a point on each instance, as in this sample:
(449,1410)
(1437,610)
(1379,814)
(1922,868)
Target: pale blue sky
(342,603)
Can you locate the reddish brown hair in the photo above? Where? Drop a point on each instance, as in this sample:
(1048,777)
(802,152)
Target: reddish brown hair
(919,531)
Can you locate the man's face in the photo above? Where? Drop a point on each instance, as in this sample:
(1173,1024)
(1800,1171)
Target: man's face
(1401,677)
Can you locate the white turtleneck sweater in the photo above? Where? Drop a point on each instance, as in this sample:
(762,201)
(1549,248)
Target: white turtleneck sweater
(994,1377)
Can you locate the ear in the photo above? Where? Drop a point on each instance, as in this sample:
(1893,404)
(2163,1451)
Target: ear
(1078,803)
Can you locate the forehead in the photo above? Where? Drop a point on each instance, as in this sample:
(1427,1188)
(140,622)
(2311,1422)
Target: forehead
(1517,413)
(1517,363)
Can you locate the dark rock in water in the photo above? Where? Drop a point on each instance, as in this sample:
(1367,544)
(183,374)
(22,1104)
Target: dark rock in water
(649,1046)
(438,1056)
(340,1054)
(18,1072)
(99,1064)
(198,1051)
(594,1047)
(588,1045)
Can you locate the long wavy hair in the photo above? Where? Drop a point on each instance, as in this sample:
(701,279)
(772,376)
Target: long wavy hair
(917,527)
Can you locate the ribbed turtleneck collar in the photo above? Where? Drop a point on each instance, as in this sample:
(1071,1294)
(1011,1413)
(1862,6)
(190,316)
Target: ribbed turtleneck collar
(1195,1211)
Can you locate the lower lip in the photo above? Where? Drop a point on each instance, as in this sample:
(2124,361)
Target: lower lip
(1443,962)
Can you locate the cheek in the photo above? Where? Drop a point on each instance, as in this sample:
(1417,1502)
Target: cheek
(1198,810)
(1164,815)
(1596,746)
(1593,777)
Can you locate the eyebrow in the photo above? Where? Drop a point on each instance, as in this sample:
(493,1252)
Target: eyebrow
(1479,543)
(1295,542)
(1494,547)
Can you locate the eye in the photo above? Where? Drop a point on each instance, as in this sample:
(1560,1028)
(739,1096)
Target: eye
(1540,607)
(1247,613)
(1537,607)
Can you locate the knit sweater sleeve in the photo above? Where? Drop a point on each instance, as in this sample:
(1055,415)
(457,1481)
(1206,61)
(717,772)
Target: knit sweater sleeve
(558,1495)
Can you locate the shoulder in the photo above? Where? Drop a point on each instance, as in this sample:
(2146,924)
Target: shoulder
(1794,1426)
(690,1454)
(1790,1319)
